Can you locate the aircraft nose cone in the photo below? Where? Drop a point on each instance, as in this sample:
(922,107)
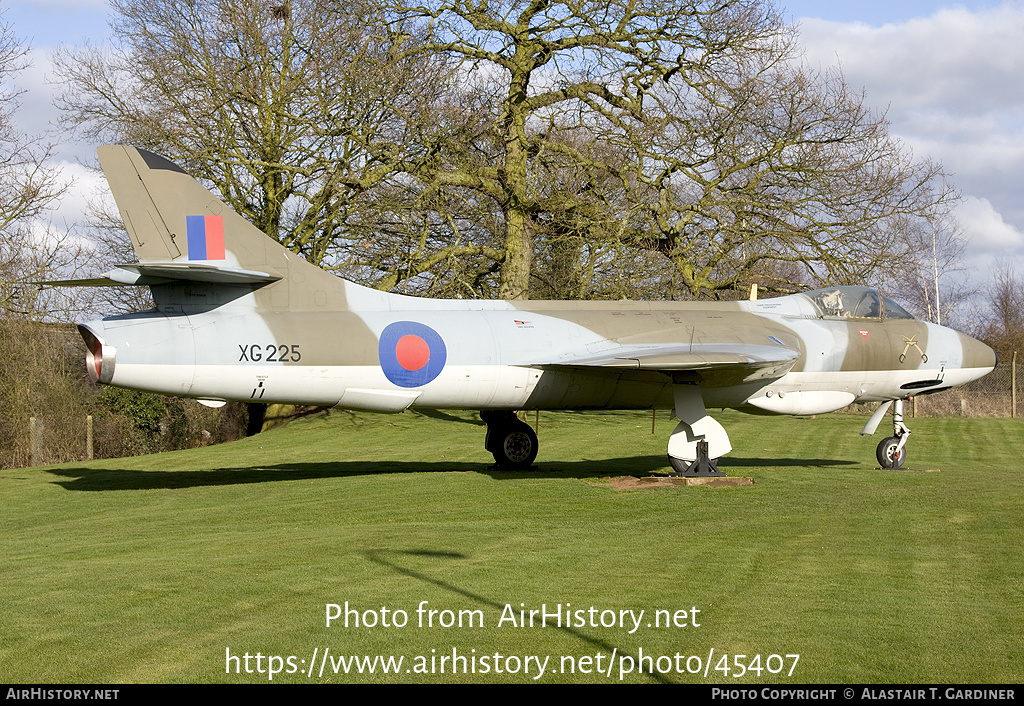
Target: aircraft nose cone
(977,355)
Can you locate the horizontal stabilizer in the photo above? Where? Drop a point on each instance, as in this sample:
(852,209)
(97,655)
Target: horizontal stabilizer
(155,273)
(192,272)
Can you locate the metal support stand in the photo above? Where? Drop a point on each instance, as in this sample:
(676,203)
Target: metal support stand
(702,467)
(697,439)
(892,452)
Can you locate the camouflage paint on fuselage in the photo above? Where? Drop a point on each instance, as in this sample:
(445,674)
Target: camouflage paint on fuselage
(252,321)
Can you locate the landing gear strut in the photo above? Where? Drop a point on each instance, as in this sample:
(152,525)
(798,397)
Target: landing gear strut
(512,441)
(892,452)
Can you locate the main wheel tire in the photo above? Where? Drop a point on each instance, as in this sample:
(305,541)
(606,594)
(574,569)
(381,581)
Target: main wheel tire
(888,457)
(514,445)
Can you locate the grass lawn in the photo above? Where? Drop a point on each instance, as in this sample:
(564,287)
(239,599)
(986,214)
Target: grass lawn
(173,567)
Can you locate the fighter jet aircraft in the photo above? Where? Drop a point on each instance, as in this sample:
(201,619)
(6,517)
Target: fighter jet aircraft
(239,317)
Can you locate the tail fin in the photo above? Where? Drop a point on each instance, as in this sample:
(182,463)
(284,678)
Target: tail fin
(180,230)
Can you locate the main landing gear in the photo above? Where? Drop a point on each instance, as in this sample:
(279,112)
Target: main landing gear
(892,451)
(693,449)
(511,440)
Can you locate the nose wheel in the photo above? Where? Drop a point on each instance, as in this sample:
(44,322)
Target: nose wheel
(892,452)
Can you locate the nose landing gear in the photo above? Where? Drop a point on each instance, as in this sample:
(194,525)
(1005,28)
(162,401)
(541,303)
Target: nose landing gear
(892,451)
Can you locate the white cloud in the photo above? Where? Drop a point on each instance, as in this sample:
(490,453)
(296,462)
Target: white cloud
(86,186)
(37,115)
(949,85)
(984,151)
(956,58)
(64,224)
(988,233)
(964,63)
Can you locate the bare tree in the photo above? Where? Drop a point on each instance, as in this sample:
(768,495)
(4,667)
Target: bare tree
(553,68)
(777,166)
(935,280)
(34,361)
(1003,321)
(29,251)
(268,102)
(686,128)
(440,147)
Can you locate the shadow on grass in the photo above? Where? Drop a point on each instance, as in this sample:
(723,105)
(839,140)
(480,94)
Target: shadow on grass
(444,416)
(392,560)
(101,479)
(734,462)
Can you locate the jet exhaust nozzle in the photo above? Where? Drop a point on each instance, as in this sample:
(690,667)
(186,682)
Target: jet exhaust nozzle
(99,357)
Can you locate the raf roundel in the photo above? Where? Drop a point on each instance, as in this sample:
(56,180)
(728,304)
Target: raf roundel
(411,354)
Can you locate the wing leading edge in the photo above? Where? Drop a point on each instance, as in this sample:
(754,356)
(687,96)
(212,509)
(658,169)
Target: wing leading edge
(714,365)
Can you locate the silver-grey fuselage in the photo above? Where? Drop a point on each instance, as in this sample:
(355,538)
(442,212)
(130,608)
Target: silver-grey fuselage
(528,355)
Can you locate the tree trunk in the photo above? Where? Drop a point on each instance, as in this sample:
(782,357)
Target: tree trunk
(515,271)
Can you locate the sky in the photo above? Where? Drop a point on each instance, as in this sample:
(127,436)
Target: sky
(946,75)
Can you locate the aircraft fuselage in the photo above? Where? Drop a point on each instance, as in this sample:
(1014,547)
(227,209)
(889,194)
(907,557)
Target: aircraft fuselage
(484,354)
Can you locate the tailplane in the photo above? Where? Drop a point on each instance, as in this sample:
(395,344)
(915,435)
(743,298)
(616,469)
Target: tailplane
(182,232)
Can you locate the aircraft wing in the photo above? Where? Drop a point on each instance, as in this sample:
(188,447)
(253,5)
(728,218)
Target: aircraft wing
(714,365)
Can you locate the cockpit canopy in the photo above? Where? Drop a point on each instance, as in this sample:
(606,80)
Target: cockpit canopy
(855,303)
